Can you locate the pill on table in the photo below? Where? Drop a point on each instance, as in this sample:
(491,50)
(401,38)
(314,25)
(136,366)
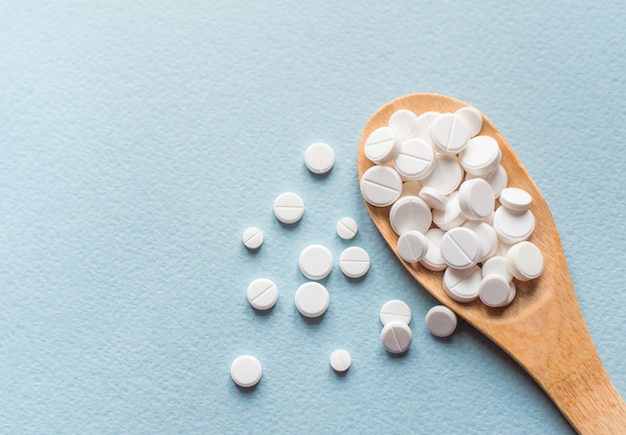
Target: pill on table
(472,117)
(487,236)
(396,337)
(410,213)
(450,134)
(395,310)
(452,216)
(316,262)
(246,371)
(381,186)
(381,146)
(481,156)
(288,208)
(416,159)
(262,294)
(497,179)
(340,360)
(410,187)
(346,228)
(441,321)
(435,199)
(319,158)
(446,176)
(252,237)
(497,265)
(515,200)
(312,299)
(354,262)
(462,285)
(476,199)
(460,248)
(403,123)
(525,261)
(495,291)
(513,227)
(433,259)
(412,246)
(424,122)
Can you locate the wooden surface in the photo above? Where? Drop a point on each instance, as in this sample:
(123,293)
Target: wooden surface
(543,329)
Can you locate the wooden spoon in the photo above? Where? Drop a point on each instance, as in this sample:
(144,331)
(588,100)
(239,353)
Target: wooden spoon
(543,329)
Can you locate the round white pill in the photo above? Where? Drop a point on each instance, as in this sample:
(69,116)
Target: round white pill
(403,123)
(487,236)
(525,261)
(346,228)
(497,265)
(462,285)
(262,294)
(411,187)
(410,213)
(460,248)
(316,262)
(396,337)
(416,159)
(481,156)
(446,176)
(354,262)
(246,371)
(319,158)
(450,134)
(395,310)
(312,299)
(288,208)
(515,200)
(424,122)
(441,321)
(412,246)
(495,291)
(472,117)
(340,360)
(452,216)
(476,199)
(381,186)
(252,237)
(433,259)
(381,146)
(513,227)
(497,179)
(435,199)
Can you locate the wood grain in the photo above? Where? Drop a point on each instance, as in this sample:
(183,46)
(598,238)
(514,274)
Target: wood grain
(543,329)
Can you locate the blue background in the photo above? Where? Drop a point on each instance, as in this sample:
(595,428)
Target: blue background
(139,139)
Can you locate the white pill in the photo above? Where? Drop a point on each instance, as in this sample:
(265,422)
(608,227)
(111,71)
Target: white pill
(497,179)
(403,123)
(312,299)
(495,291)
(476,199)
(319,158)
(424,122)
(396,337)
(446,176)
(435,199)
(340,360)
(262,294)
(395,310)
(450,134)
(516,200)
(441,321)
(381,186)
(481,156)
(513,227)
(354,262)
(288,208)
(246,371)
(412,246)
(525,261)
(433,259)
(411,187)
(487,236)
(252,237)
(497,265)
(381,146)
(452,216)
(472,117)
(462,285)
(410,213)
(416,159)
(316,262)
(460,248)
(346,228)
(503,248)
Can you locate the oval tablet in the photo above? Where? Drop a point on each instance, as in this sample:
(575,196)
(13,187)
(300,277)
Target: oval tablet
(340,360)
(410,213)
(312,299)
(246,371)
(472,117)
(494,291)
(460,248)
(450,134)
(381,146)
(381,186)
(497,179)
(403,123)
(452,216)
(354,262)
(441,321)
(525,261)
(288,208)
(433,198)
(319,158)
(513,227)
(476,199)
(396,337)
(416,159)
(462,285)
(395,310)
(346,228)
(446,176)
(316,262)
(262,294)
(412,246)
(433,259)
(252,237)
(515,200)
(481,156)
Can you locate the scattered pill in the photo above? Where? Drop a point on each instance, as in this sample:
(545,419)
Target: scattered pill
(452,216)
(410,213)
(347,228)
(497,265)
(481,156)
(433,259)
(381,186)
(416,159)
(395,310)
(513,227)
(340,360)
(262,294)
(381,146)
(252,237)
(494,291)
(462,285)
(515,200)
(450,134)
(460,248)
(316,262)
(476,199)
(472,117)
(396,337)
(246,371)
(497,179)
(312,299)
(354,262)
(525,261)
(403,123)
(412,246)
(288,208)
(319,158)
(446,176)
(441,321)
(435,199)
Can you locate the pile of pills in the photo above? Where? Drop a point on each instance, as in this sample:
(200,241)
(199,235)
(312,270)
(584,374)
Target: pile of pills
(442,181)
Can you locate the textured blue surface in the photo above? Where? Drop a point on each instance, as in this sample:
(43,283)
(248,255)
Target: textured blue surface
(138,140)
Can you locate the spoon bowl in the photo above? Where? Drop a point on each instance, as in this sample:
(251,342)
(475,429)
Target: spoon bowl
(543,328)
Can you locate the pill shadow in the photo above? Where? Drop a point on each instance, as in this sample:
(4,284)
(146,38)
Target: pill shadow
(263,313)
(312,320)
(339,375)
(319,177)
(354,280)
(254,251)
(290,227)
(247,390)
(401,355)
